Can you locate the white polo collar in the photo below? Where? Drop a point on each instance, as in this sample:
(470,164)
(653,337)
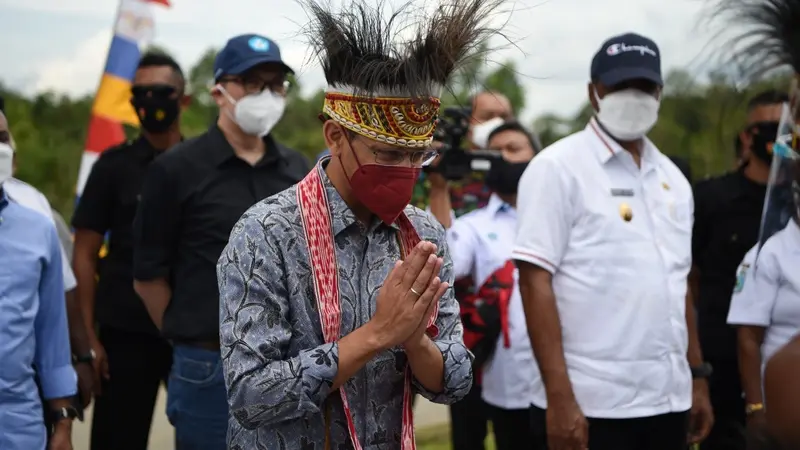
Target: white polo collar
(606,147)
(497,206)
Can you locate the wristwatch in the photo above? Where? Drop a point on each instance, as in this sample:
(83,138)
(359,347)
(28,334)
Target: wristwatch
(87,358)
(67,412)
(702,371)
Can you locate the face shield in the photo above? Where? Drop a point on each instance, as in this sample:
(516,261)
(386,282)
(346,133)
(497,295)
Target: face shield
(783,188)
(6,162)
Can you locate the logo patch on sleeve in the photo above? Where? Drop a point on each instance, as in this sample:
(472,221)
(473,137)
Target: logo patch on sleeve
(741,274)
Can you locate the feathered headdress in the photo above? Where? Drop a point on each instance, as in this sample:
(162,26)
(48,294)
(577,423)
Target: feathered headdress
(769,39)
(389,91)
(770,36)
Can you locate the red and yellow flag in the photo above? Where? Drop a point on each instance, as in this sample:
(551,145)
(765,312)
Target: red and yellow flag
(134,27)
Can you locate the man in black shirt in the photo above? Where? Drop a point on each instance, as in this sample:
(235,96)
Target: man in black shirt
(683,166)
(727,219)
(191,199)
(131,358)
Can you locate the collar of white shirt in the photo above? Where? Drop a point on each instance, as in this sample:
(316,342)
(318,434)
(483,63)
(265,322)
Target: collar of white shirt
(609,147)
(497,206)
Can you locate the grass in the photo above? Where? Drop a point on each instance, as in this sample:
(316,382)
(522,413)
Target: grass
(438,438)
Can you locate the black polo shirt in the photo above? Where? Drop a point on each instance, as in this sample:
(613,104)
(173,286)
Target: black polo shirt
(683,165)
(108,205)
(727,219)
(191,199)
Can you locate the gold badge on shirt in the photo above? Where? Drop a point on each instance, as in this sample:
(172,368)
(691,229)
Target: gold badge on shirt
(625,212)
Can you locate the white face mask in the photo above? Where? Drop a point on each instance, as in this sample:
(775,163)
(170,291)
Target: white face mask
(481,131)
(257,114)
(629,114)
(6,162)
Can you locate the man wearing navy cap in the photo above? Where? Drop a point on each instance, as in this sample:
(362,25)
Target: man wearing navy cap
(191,198)
(604,251)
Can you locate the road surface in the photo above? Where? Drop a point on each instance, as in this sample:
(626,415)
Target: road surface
(161,435)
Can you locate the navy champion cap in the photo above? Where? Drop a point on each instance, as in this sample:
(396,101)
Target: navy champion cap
(242,53)
(627,57)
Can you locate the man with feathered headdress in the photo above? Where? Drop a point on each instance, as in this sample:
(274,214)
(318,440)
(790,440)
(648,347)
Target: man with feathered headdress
(335,301)
(768,312)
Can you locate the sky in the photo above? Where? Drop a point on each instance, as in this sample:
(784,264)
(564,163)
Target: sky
(60,45)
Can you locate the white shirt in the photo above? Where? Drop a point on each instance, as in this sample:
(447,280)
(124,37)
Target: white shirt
(769,292)
(480,243)
(620,286)
(28,196)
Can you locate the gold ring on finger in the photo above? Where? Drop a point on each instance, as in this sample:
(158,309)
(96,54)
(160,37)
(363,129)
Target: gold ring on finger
(415,292)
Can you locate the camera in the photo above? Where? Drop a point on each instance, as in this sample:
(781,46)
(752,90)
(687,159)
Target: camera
(456,163)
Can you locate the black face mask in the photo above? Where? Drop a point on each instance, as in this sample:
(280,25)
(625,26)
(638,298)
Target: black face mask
(156,114)
(503,177)
(763,134)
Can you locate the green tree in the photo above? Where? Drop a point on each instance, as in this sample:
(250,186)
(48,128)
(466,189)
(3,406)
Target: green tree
(201,77)
(550,128)
(504,80)
(697,121)
(472,77)
(466,79)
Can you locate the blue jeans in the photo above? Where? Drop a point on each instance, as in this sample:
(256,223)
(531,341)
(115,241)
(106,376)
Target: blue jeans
(197,402)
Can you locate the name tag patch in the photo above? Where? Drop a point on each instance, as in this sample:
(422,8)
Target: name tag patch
(619,192)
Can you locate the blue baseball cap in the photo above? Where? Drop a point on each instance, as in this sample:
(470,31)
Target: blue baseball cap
(627,57)
(242,53)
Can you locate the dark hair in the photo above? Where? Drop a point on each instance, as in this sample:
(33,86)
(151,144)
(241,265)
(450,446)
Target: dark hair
(156,59)
(513,125)
(768,97)
(765,98)
(2,105)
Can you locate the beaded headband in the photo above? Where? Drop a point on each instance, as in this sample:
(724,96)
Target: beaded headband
(400,121)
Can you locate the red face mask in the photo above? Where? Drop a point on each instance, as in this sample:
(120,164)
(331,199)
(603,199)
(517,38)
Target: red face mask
(384,190)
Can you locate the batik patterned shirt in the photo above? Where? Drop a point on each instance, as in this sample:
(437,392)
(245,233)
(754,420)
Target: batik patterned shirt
(278,369)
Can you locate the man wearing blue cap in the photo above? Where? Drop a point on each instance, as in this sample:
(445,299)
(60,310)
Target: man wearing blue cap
(604,251)
(190,200)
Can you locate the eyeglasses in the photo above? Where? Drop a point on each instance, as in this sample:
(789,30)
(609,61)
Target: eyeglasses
(256,85)
(394,157)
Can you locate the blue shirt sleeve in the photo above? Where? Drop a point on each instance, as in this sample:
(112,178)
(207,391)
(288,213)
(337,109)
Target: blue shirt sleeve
(53,355)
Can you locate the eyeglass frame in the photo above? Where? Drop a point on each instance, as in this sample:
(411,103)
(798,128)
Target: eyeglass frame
(260,85)
(409,156)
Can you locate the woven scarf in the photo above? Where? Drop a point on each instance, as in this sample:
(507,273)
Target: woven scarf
(317,227)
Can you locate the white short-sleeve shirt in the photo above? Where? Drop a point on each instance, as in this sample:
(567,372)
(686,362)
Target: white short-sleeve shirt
(28,196)
(480,243)
(620,285)
(768,290)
